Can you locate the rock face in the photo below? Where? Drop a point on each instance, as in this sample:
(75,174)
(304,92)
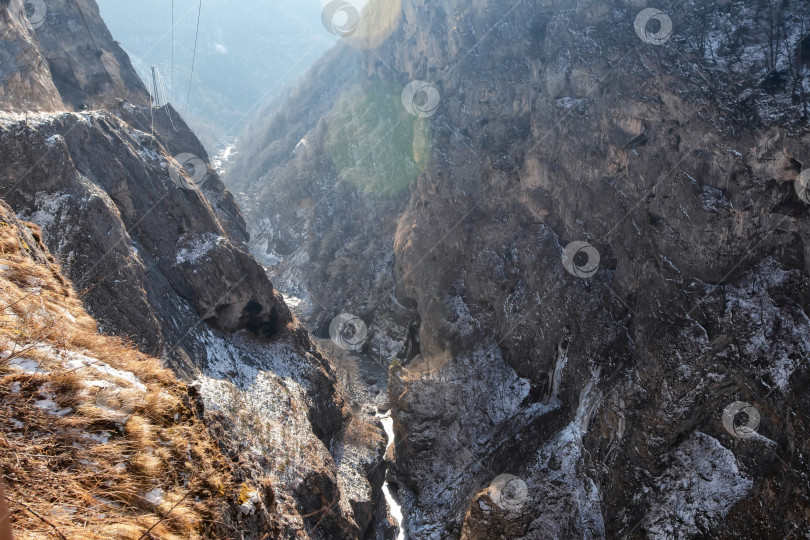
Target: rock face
(593,245)
(82,413)
(102,190)
(59,53)
(157,248)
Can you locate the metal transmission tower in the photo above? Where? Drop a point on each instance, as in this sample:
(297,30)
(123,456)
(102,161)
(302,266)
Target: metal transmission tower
(158,89)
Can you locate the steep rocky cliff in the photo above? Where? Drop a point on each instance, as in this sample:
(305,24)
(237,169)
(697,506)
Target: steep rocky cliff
(156,247)
(99,440)
(585,234)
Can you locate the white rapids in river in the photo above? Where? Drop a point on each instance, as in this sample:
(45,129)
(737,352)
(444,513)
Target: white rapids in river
(393,506)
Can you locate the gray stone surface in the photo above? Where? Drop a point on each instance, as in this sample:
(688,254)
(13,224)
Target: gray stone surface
(557,123)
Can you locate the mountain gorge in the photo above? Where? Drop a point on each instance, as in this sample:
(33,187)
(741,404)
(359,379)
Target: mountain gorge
(539,270)
(155,247)
(578,232)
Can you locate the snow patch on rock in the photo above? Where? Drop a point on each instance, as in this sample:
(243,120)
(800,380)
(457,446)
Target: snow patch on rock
(78,361)
(154,497)
(27,366)
(49,207)
(778,331)
(700,485)
(557,475)
(195,248)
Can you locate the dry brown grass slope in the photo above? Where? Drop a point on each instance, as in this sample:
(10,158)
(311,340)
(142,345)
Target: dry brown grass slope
(96,439)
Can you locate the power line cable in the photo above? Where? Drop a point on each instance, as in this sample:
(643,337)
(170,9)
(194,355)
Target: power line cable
(193,58)
(172,98)
(93,41)
(165,102)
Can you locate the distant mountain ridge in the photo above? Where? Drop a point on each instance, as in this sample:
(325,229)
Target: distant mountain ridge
(247,52)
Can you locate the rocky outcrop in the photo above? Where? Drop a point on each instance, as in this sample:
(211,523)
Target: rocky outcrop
(98,438)
(311,145)
(129,224)
(602,246)
(157,249)
(101,190)
(60,54)
(26,80)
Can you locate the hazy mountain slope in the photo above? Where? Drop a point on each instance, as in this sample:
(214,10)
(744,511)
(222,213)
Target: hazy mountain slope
(596,373)
(157,252)
(246,53)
